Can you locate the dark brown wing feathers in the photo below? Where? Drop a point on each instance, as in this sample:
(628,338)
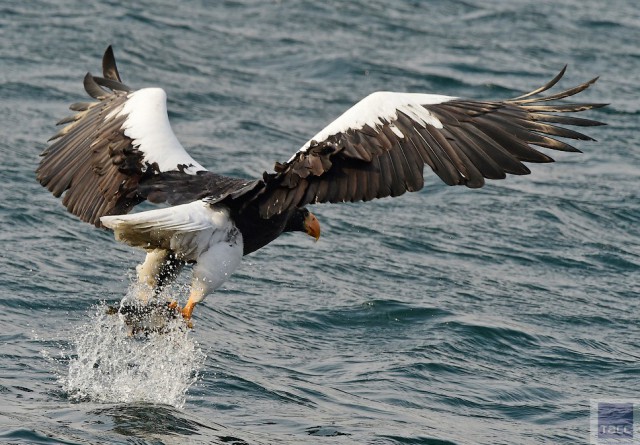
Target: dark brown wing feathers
(91,161)
(109,67)
(478,140)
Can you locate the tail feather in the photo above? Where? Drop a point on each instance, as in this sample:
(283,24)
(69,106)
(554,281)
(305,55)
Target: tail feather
(157,229)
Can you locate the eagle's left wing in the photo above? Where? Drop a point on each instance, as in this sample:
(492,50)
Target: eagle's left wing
(379,147)
(112,145)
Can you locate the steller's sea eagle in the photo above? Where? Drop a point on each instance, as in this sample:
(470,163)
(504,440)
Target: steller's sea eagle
(119,151)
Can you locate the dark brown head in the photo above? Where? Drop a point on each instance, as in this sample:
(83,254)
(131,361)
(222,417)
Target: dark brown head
(302,220)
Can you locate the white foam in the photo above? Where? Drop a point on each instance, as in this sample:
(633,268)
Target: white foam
(111,366)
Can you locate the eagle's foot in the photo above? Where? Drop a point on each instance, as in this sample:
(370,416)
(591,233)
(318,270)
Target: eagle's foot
(151,317)
(186,311)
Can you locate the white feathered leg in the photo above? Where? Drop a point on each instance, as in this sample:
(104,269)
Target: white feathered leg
(160,267)
(148,273)
(213,268)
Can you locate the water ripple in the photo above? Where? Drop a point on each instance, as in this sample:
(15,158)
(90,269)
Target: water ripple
(448,316)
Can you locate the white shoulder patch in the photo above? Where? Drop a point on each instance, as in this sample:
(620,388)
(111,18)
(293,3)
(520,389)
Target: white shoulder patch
(147,123)
(383,105)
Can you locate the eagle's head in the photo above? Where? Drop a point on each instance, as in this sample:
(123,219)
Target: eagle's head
(302,220)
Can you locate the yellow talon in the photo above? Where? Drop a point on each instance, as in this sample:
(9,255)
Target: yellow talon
(187,310)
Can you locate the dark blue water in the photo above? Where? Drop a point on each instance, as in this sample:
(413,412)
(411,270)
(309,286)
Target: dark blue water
(446,316)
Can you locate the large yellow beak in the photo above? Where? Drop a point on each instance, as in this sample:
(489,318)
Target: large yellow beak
(312,226)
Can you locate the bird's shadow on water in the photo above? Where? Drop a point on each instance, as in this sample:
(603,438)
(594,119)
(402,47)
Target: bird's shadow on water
(162,424)
(146,419)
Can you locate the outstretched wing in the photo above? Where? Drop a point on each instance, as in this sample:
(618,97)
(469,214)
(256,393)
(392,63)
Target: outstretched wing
(379,147)
(110,146)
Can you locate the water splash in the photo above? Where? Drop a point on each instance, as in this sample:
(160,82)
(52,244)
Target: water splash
(112,366)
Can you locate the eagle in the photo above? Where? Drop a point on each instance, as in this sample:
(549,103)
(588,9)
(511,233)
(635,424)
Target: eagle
(118,151)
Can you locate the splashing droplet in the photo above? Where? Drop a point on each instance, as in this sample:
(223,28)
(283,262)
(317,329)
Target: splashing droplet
(114,367)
